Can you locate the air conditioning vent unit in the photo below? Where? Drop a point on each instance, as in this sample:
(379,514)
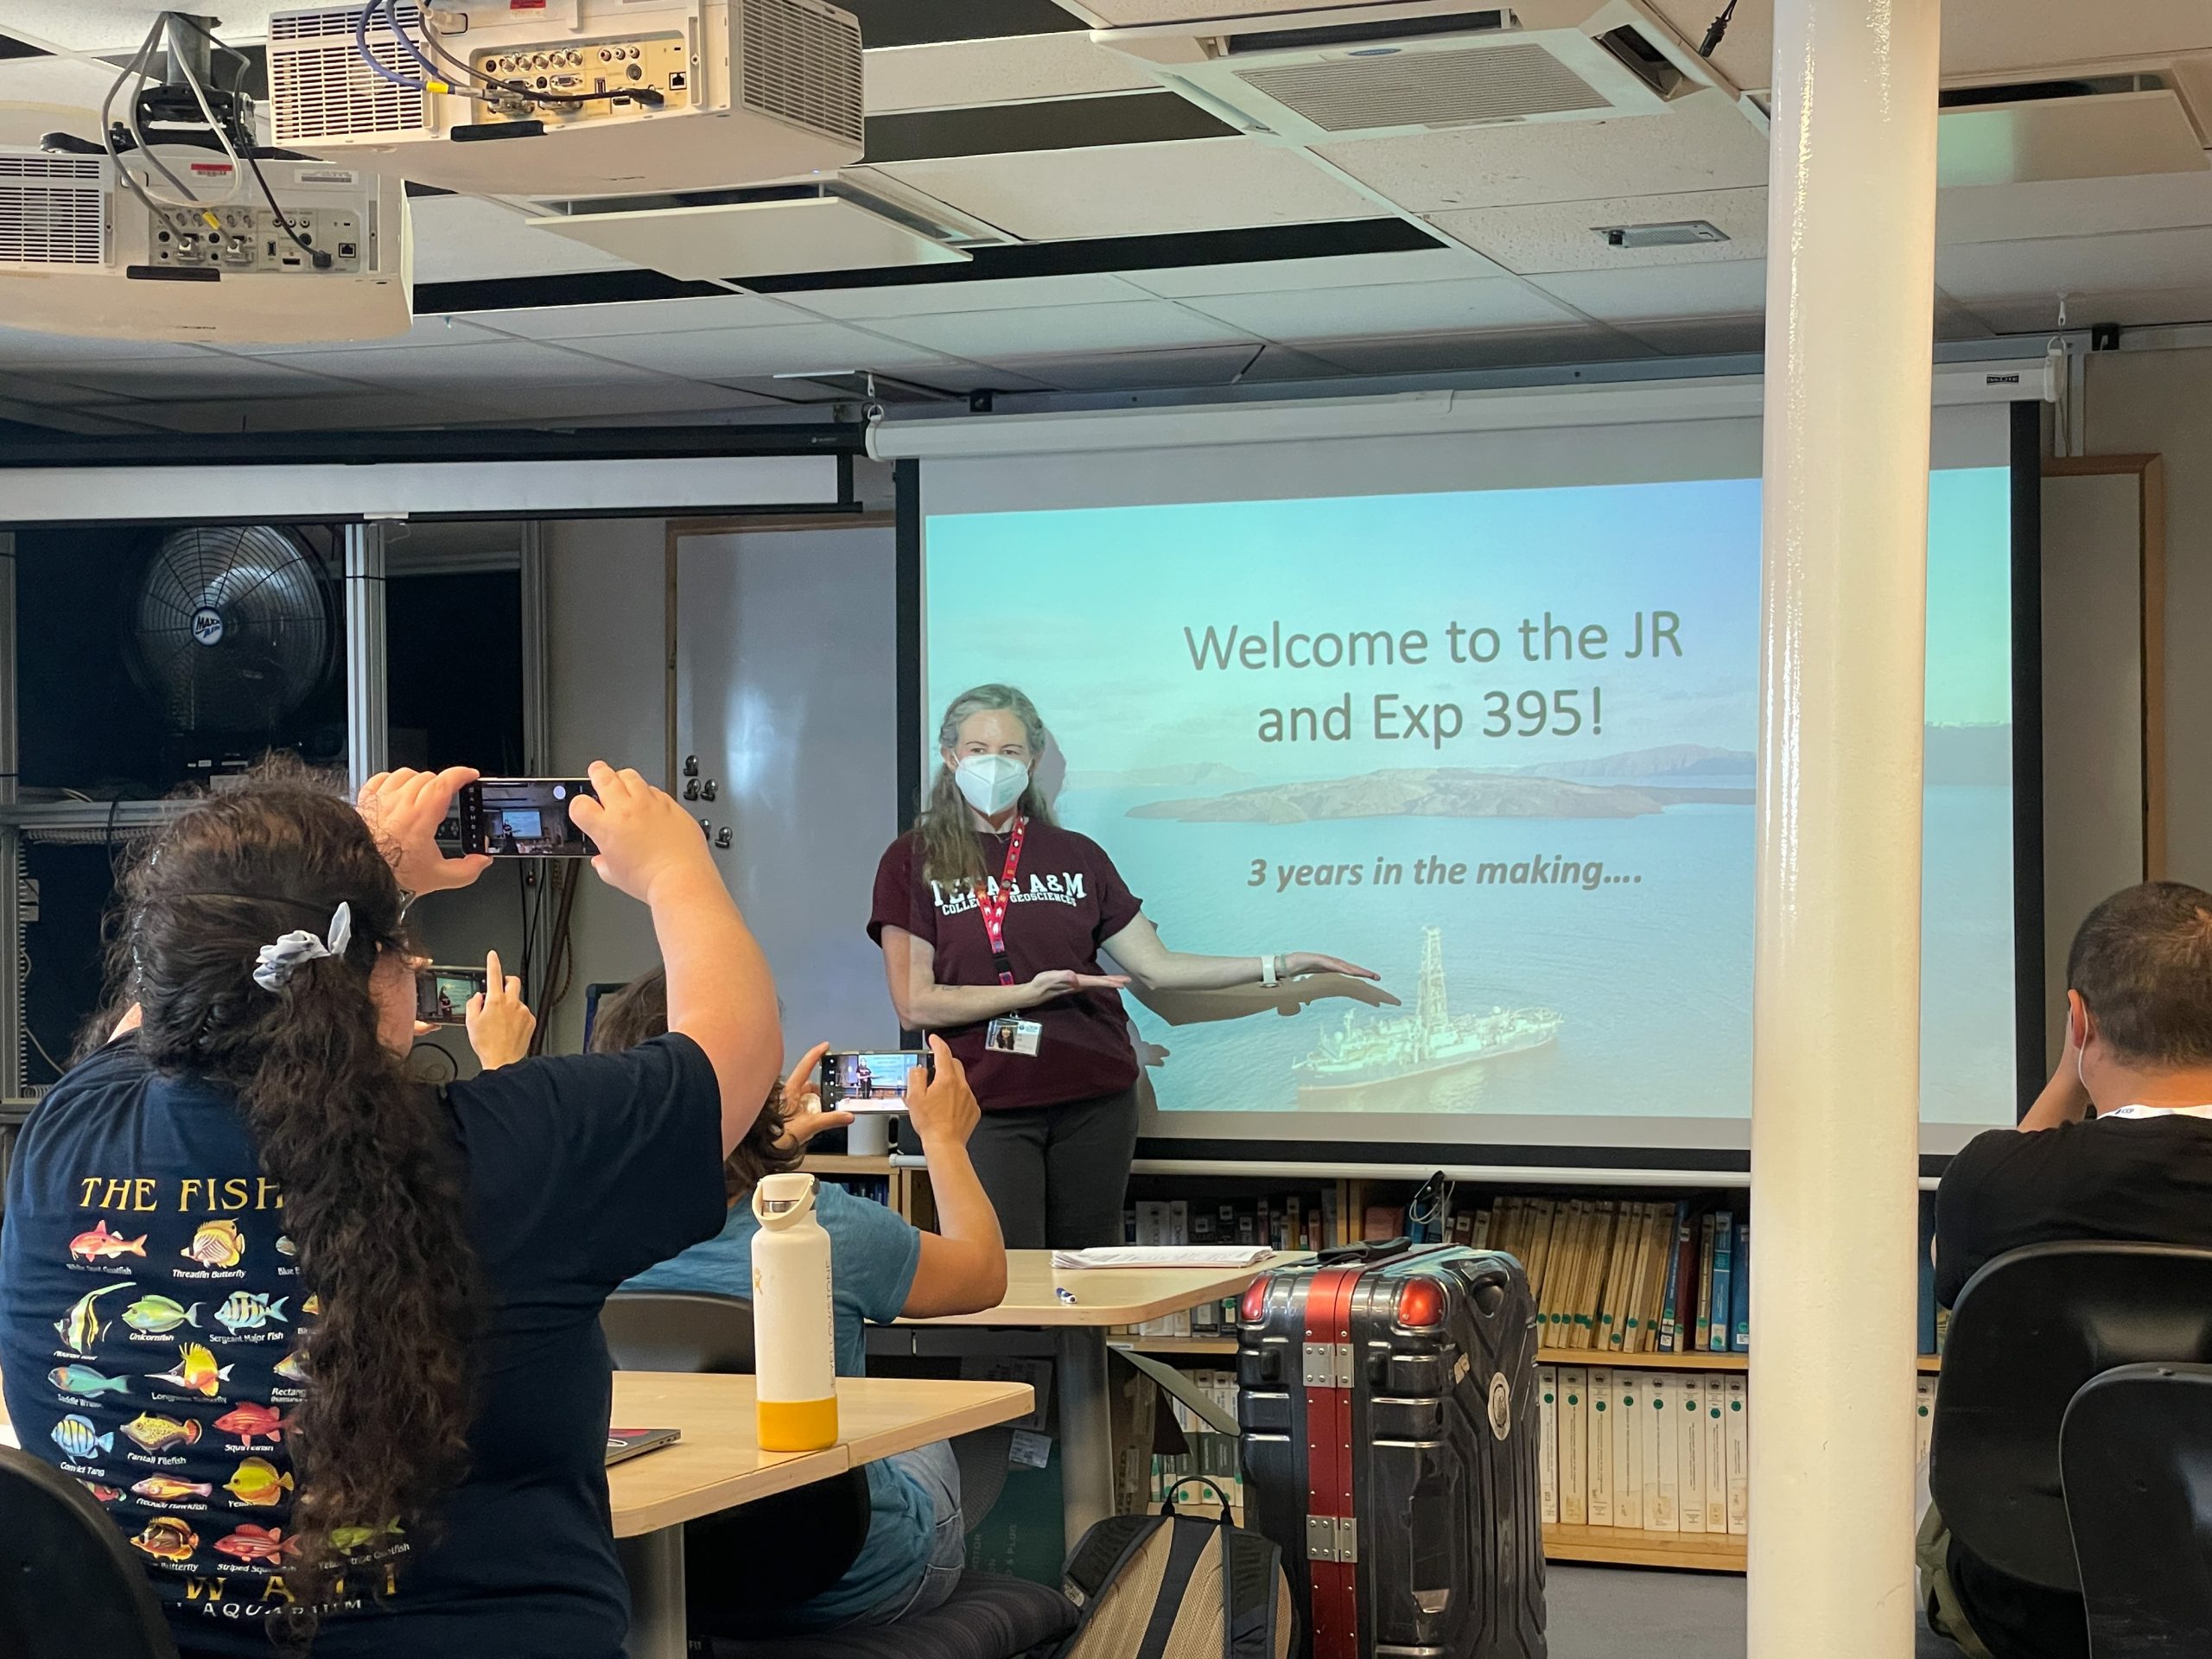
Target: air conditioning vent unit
(80,254)
(1426,66)
(639,95)
(2092,126)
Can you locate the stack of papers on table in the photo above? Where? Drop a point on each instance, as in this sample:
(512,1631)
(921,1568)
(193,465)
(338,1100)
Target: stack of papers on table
(1166,1255)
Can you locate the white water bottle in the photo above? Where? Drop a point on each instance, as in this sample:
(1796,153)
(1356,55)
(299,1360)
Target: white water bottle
(794,1318)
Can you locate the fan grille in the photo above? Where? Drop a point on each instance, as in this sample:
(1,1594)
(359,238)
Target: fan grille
(232,629)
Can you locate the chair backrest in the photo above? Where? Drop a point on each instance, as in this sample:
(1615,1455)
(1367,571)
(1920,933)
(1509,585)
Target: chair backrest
(678,1331)
(2030,1328)
(2137,1449)
(68,1585)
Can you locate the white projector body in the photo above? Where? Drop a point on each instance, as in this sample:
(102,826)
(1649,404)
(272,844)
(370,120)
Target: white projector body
(79,254)
(751,92)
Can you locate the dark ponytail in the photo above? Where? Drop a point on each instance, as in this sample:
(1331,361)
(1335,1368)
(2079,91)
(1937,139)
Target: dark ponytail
(372,1191)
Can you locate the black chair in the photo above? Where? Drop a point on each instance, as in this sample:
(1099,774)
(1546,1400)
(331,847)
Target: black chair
(2029,1330)
(739,1566)
(2137,1449)
(69,1586)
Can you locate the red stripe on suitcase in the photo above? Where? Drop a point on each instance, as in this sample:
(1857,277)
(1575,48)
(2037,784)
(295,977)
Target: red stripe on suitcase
(1329,1465)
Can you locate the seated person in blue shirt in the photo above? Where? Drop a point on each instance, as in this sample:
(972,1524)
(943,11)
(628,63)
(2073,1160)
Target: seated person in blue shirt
(882,1267)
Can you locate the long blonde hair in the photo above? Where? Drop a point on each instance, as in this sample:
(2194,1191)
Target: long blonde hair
(945,825)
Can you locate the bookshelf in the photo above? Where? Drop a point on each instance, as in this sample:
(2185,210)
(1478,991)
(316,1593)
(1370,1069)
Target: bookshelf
(1334,1207)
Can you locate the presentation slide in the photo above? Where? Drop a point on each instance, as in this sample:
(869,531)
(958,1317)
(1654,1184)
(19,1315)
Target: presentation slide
(1497,744)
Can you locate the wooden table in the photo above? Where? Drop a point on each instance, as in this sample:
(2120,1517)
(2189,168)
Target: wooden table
(718,1465)
(1103,1297)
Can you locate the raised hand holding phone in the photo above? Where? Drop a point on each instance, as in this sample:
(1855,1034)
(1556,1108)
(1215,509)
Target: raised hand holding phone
(644,834)
(403,809)
(803,1117)
(942,1107)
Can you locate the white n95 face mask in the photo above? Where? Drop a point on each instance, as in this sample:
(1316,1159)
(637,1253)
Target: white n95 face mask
(990,783)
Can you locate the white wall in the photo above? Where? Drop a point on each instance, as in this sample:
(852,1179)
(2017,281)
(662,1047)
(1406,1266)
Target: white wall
(2160,403)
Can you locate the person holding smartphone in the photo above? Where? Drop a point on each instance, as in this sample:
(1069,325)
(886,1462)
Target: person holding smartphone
(992,920)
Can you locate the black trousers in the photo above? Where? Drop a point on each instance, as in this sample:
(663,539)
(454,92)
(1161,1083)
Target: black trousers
(1058,1175)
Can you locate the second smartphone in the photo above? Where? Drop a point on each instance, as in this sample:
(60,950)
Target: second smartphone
(873,1082)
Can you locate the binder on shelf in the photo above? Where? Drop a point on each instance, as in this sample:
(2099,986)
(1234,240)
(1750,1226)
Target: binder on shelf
(1663,1485)
(1548,1442)
(1677,1277)
(1737,1432)
(1601,1447)
(1628,1452)
(1740,1289)
(1701,1333)
(1714,1457)
(1573,1445)
(1689,1454)
(1928,1273)
(1723,1252)
(1923,1406)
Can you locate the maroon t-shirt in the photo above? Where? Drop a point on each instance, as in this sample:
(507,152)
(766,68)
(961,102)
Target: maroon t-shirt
(1068,899)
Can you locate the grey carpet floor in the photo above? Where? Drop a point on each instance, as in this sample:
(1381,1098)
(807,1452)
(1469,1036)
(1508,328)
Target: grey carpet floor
(1620,1612)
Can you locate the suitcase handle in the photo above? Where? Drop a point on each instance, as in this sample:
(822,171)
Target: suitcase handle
(1367,1250)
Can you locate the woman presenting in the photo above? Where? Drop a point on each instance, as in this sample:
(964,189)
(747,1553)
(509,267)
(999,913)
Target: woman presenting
(992,919)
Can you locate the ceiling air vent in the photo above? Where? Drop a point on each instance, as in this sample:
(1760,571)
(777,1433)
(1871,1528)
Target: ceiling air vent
(52,210)
(1423,65)
(2083,127)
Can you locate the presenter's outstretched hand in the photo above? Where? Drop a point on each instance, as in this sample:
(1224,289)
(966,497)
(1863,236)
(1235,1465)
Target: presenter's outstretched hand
(644,836)
(943,1108)
(500,1021)
(803,1117)
(1066,982)
(1311,962)
(403,809)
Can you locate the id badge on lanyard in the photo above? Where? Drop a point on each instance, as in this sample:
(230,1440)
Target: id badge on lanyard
(993,904)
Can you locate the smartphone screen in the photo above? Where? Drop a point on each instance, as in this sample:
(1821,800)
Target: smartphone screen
(442,994)
(871,1082)
(523,817)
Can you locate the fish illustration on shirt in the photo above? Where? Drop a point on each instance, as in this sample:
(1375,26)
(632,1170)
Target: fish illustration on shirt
(195,1370)
(80,1327)
(83,1379)
(153,1432)
(167,1489)
(106,1494)
(285,1246)
(259,1482)
(246,1310)
(251,1421)
(168,1539)
(159,1313)
(101,1245)
(312,1305)
(252,1543)
(217,1244)
(293,1367)
(76,1435)
(349,1539)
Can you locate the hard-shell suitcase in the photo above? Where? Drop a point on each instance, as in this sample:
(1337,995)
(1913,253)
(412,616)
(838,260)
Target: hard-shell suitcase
(1389,1417)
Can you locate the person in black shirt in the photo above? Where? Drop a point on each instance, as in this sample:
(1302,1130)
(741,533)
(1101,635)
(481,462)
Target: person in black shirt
(2118,1146)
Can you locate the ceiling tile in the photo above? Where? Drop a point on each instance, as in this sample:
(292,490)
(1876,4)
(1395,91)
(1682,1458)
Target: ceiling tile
(1330,270)
(1015,69)
(363,410)
(1207,184)
(1512,349)
(2129,308)
(639,317)
(715,354)
(1204,365)
(1383,308)
(1703,143)
(23,348)
(463,239)
(926,299)
(1728,288)
(659,395)
(1123,14)
(1560,235)
(1059,331)
(212,374)
(2085,267)
(460,370)
(2065,208)
(1705,337)
(424,331)
(31,389)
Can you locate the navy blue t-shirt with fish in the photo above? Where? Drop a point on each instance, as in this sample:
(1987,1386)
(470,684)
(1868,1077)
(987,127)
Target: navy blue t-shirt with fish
(152,1308)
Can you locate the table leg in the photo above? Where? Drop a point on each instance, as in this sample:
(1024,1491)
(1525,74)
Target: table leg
(1086,1431)
(654,1562)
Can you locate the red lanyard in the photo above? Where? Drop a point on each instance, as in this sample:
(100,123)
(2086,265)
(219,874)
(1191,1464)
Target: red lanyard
(992,905)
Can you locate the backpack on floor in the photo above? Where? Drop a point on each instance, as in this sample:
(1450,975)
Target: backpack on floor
(1178,1587)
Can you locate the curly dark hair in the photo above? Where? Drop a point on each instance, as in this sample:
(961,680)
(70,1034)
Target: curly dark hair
(637,1014)
(368,1164)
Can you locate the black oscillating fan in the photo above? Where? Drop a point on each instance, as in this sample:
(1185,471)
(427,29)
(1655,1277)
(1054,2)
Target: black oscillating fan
(232,628)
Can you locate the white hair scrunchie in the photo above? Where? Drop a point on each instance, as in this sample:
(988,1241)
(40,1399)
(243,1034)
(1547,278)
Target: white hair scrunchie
(280,961)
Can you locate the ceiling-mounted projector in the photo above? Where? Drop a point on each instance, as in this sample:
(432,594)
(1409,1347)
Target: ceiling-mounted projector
(572,98)
(81,253)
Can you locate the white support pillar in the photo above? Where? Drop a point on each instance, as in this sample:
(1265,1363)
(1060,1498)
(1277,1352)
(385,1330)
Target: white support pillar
(1836,979)
(368,715)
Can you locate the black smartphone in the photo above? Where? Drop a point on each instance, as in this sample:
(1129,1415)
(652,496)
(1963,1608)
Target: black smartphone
(871,1082)
(523,817)
(442,994)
